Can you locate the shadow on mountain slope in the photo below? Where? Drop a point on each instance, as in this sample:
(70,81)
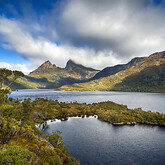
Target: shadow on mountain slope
(150,79)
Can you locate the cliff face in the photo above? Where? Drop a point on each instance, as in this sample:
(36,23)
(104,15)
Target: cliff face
(81,71)
(71,65)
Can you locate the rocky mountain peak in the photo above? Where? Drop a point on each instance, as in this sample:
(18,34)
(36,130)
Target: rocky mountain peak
(44,66)
(47,65)
(81,71)
(71,65)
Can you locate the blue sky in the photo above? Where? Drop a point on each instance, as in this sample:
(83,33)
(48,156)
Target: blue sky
(95,33)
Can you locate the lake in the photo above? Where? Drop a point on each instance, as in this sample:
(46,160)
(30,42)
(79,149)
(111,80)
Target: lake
(95,142)
(147,101)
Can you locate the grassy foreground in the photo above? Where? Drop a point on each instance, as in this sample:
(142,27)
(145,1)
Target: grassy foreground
(22,143)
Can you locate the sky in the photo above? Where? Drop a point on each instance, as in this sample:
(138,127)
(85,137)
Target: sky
(95,33)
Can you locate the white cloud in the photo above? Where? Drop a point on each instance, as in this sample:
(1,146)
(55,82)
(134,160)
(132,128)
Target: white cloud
(41,49)
(21,67)
(5,65)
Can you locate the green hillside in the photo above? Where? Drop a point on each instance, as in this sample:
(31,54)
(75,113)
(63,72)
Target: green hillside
(151,79)
(151,70)
(27,82)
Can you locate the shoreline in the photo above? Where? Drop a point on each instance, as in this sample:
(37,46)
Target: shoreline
(16,90)
(65,118)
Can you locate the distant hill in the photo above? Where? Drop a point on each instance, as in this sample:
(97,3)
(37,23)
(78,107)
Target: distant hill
(117,68)
(140,74)
(150,79)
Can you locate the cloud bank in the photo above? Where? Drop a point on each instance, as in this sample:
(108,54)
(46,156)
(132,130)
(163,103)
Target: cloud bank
(128,28)
(20,67)
(94,33)
(40,49)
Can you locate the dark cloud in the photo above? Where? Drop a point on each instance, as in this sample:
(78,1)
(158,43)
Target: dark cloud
(126,27)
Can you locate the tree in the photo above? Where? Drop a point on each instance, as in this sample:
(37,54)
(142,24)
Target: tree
(4,76)
(14,155)
(15,74)
(56,140)
(7,76)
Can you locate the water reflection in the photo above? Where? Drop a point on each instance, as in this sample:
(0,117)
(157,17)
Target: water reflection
(94,142)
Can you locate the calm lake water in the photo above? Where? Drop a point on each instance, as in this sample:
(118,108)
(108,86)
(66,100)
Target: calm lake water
(147,101)
(95,142)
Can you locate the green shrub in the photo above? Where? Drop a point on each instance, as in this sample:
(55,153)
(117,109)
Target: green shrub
(14,155)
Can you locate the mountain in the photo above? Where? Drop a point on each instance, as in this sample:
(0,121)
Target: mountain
(48,75)
(150,79)
(50,72)
(44,66)
(140,74)
(81,71)
(72,71)
(117,68)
